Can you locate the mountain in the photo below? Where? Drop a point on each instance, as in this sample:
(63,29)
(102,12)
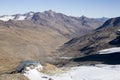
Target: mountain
(102,19)
(18,17)
(102,38)
(37,36)
(67,26)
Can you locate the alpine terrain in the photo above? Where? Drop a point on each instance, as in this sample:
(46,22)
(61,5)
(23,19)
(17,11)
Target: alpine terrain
(54,46)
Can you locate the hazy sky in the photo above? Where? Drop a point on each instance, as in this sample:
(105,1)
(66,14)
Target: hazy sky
(89,8)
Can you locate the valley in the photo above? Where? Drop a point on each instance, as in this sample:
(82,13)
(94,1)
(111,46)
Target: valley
(52,45)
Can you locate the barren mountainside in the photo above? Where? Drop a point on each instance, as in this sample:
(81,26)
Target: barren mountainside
(101,38)
(67,26)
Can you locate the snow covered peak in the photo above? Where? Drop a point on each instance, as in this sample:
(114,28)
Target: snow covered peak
(12,17)
(7,17)
(16,17)
(30,13)
(19,17)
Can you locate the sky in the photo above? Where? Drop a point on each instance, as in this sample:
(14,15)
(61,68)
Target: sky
(89,8)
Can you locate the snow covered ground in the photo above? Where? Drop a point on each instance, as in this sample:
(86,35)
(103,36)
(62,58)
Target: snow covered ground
(21,18)
(6,18)
(98,72)
(109,50)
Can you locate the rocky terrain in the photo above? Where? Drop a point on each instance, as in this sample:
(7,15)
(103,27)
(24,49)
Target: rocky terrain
(84,49)
(13,77)
(67,26)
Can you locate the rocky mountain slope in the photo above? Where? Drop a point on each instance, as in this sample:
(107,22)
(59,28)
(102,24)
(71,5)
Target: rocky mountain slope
(101,38)
(68,26)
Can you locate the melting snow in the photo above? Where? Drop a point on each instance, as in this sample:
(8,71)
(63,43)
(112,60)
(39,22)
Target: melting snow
(109,50)
(99,72)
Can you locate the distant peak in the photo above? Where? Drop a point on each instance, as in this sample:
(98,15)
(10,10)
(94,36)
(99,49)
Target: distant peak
(83,17)
(30,12)
(111,22)
(50,12)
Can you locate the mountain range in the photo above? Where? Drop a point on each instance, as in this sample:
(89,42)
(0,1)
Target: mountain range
(106,36)
(67,26)
(39,35)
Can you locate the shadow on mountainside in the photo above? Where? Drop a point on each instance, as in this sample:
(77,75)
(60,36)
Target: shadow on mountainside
(113,58)
(115,41)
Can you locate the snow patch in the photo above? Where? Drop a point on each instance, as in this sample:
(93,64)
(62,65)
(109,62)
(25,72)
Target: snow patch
(6,18)
(109,50)
(66,57)
(99,72)
(21,18)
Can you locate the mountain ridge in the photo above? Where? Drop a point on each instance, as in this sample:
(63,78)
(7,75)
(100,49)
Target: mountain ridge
(26,15)
(67,26)
(94,41)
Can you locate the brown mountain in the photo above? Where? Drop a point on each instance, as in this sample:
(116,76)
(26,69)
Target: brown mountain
(67,26)
(102,38)
(18,43)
